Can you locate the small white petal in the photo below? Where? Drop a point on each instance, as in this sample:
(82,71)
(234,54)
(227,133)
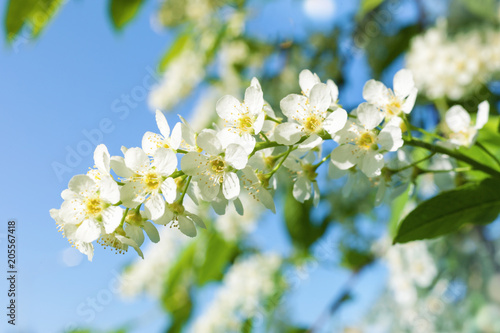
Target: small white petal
(208,141)
(254,100)
(111,218)
(371,163)
(176,137)
(369,116)
(118,165)
(294,107)
(335,121)
(101,159)
(375,92)
(236,156)
(228,108)
(137,160)
(302,189)
(410,101)
(287,133)
(320,98)
(151,141)
(186,226)
(457,119)
(162,123)
(191,161)
(82,185)
(231,186)
(109,190)
(169,189)
(483,113)
(403,83)
(307,80)
(390,138)
(151,231)
(345,156)
(88,231)
(156,205)
(164,161)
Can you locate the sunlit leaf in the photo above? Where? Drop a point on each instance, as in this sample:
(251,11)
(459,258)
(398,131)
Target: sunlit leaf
(122,11)
(450,210)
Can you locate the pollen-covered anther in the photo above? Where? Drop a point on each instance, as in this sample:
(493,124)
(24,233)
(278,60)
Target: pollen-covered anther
(312,124)
(366,140)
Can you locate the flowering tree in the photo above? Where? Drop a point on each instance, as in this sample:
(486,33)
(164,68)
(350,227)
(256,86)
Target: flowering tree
(427,146)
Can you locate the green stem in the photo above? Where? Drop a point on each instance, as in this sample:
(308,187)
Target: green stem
(480,145)
(421,130)
(273,119)
(408,126)
(455,154)
(276,168)
(413,164)
(265,137)
(463,169)
(323,160)
(181,199)
(124,216)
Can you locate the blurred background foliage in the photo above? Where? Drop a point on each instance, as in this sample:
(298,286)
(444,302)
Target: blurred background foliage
(213,50)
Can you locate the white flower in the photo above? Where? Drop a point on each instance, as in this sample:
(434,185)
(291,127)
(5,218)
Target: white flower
(152,141)
(305,183)
(148,181)
(69,231)
(463,132)
(256,189)
(90,208)
(307,80)
(135,225)
(362,144)
(179,217)
(245,288)
(247,117)
(309,116)
(392,103)
(218,168)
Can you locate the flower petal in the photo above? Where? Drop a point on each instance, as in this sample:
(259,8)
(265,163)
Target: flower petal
(208,141)
(231,186)
(176,137)
(390,138)
(403,83)
(109,190)
(371,163)
(287,133)
(101,159)
(369,116)
(376,93)
(254,99)
(152,232)
(156,205)
(111,218)
(320,98)
(169,189)
(229,108)
(117,163)
(302,189)
(335,121)
(483,113)
(135,233)
(345,156)
(88,231)
(137,160)
(164,161)
(162,123)
(186,226)
(410,101)
(236,156)
(191,162)
(151,141)
(457,119)
(295,107)
(83,185)
(307,80)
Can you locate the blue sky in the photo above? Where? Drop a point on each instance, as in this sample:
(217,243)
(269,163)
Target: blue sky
(65,90)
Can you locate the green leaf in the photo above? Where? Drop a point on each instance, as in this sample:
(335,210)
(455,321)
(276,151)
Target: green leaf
(298,222)
(218,254)
(122,11)
(175,49)
(397,207)
(355,260)
(445,213)
(486,9)
(382,50)
(367,6)
(34,14)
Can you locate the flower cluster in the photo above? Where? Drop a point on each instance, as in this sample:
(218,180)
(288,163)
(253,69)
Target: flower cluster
(124,197)
(453,67)
(247,284)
